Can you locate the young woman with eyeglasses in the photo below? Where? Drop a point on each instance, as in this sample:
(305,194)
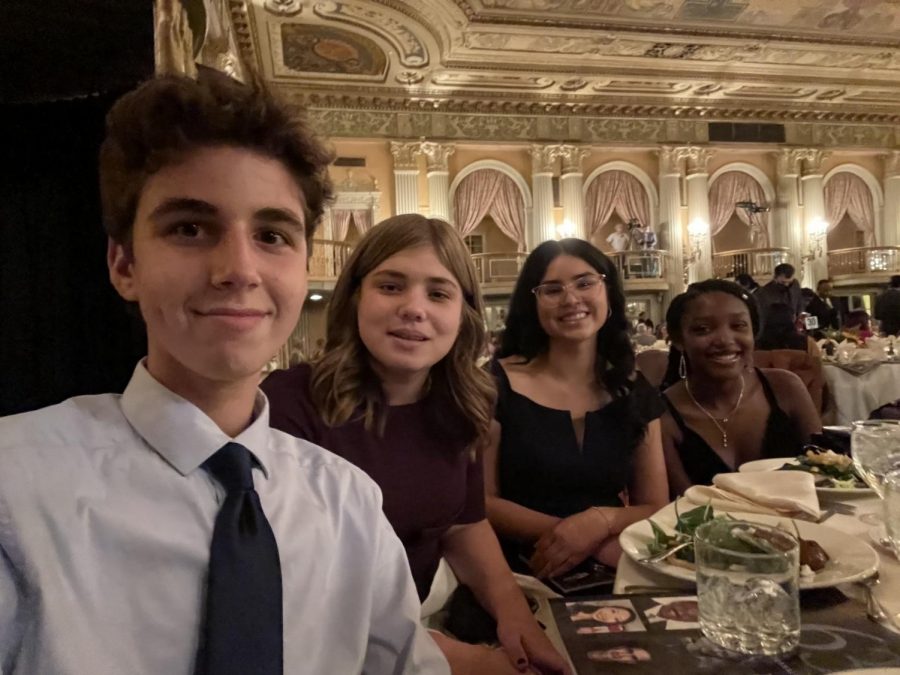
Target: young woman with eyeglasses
(575,453)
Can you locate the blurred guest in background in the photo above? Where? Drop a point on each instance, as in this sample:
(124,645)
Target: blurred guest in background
(783,289)
(828,309)
(887,307)
(780,332)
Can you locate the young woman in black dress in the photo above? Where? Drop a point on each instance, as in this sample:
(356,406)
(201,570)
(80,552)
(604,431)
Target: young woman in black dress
(576,454)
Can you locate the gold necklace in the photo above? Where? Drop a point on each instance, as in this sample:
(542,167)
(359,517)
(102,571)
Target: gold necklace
(706,412)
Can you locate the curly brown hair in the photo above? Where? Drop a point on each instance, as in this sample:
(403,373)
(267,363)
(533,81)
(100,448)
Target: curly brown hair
(166,118)
(460,401)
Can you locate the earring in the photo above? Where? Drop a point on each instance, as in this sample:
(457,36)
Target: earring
(682,367)
(608,313)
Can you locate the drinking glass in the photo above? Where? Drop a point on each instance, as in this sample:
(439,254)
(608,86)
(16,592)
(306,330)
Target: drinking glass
(875,447)
(892,509)
(749,600)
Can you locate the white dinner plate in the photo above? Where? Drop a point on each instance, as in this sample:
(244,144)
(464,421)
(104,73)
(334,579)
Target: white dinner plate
(851,558)
(776,463)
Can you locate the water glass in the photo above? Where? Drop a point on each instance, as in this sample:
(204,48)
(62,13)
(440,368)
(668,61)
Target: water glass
(749,599)
(892,509)
(875,446)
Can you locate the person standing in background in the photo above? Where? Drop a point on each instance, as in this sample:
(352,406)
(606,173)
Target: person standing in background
(887,307)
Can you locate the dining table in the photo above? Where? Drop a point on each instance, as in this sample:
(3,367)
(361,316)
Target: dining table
(856,389)
(854,514)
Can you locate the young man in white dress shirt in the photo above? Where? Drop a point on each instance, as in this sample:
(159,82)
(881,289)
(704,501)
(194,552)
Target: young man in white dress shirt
(211,193)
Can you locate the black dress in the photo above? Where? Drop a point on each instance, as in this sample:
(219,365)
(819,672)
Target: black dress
(540,465)
(701,462)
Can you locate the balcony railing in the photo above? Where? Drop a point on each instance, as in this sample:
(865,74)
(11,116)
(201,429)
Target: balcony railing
(498,267)
(641,264)
(757,262)
(867,260)
(328,258)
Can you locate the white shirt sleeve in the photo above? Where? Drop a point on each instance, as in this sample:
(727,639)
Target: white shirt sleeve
(398,643)
(11,622)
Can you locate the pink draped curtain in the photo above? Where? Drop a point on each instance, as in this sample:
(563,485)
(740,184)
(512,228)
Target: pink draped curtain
(340,221)
(847,194)
(732,187)
(490,192)
(615,192)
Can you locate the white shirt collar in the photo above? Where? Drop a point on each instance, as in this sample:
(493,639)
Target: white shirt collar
(182,433)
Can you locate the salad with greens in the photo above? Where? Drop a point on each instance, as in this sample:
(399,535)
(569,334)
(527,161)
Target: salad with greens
(685,525)
(829,469)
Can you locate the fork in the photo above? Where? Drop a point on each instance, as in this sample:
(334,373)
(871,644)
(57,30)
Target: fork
(659,557)
(874,610)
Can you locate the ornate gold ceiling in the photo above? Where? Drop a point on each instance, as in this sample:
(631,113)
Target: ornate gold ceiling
(827,61)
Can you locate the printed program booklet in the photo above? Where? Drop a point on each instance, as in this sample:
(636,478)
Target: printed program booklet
(659,633)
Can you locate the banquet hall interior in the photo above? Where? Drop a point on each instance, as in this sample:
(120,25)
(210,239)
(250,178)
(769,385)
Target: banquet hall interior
(741,133)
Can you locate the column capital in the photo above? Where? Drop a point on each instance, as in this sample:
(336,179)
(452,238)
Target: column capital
(544,158)
(892,164)
(436,155)
(811,160)
(405,155)
(788,162)
(697,158)
(670,160)
(571,156)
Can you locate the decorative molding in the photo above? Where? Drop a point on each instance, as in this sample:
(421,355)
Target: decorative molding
(571,157)
(670,161)
(405,155)
(558,128)
(892,164)
(354,182)
(544,159)
(356,201)
(411,52)
(283,8)
(436,155)
(243,33)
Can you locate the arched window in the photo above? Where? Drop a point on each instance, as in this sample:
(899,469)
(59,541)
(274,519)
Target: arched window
(849,211)
(612,199)
(733,227)
(490,194)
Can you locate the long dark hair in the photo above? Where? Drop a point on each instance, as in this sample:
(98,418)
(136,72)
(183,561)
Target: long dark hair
(678,307)
(524,336)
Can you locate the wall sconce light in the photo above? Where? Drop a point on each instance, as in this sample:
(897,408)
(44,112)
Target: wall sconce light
(698,231)
(816,229)
(565,229)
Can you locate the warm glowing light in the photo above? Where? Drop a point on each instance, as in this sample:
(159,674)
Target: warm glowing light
(698,228)
(565,229)
(817,227)
(315,297)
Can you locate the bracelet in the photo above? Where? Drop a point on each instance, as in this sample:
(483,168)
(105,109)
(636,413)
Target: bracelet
(599,509)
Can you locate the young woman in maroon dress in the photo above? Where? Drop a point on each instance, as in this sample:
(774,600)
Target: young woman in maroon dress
(397,393)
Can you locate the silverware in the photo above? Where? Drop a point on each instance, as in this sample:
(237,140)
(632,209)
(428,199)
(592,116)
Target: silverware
(874,611)
(659,557)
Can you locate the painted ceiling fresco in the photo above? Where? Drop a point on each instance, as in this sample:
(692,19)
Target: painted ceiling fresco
(830,18)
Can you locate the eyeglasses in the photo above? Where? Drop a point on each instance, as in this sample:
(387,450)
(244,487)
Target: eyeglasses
(552,292)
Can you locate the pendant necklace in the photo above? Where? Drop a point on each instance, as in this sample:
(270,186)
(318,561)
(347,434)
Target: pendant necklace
(716,421)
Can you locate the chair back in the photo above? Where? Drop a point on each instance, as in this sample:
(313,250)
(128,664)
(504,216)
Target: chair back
(807,367)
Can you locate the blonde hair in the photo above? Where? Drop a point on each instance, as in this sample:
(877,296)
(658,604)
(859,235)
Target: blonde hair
(461,396)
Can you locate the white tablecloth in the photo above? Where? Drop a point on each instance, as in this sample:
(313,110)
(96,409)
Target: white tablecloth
(631,576)
(856,396)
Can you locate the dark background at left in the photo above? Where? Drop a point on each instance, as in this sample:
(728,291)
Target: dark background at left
(63,329)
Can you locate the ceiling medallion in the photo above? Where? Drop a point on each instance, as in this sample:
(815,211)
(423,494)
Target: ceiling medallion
(409,77)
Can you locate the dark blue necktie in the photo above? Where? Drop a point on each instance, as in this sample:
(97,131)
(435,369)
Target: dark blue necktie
(242,633)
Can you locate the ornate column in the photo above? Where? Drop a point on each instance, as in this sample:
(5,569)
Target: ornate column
(890,223)
(438,173)
(406,177)
(543,166)
(812,189)
(671,227)
(788,225)
(571,187)
(698,209)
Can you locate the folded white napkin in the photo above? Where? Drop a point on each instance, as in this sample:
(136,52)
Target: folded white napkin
(780,493)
